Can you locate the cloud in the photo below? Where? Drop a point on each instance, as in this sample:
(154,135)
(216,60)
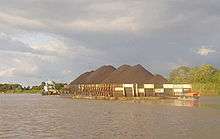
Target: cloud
(66,72)
(20,68)
(43,44)
(32,56)
(25,67)
(9,44)
(7,72)
(37,41)
(19,21)
(56,37)
(205,51)
(119,24)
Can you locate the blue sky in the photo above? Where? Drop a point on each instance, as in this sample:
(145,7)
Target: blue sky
(59,39)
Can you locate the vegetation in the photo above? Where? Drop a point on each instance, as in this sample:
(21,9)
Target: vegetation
(205,78)
(60,86)
(19,89)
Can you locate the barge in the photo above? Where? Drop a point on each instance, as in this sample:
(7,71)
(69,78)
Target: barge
(134,91)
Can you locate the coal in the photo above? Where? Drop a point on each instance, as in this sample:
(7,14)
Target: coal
(130,74)
(94,77)
(82,79)
(100,74)
(123,74)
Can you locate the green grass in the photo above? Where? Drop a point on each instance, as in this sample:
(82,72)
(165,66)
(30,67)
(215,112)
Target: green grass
(21,91)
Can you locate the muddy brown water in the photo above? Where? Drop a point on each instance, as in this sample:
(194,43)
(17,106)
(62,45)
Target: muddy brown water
(34,116)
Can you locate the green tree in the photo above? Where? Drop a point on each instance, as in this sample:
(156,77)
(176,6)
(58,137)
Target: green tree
(59,86)
(180,75)
(203,74)
(43,84)
(216,77)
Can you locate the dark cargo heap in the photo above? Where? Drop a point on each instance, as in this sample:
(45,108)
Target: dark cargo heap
(107,81)
(125,74)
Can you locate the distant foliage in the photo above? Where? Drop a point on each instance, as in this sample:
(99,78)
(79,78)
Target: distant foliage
(216,77)
(181,75)
(205,78)
(40,87)
(17,88)
(60,86)
(202,74)
(5,87)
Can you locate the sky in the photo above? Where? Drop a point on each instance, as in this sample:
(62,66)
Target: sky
(58,40)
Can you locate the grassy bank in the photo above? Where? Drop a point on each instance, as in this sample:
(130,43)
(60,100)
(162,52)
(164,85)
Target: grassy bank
(207,89)
(21,92)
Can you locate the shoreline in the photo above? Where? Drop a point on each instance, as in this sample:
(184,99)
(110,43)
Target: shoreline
(19,93)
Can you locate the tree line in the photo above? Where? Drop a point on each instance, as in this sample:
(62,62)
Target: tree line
(204,78)
(18,88)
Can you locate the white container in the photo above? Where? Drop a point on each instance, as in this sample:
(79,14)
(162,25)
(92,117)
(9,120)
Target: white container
(128,85)
(141,90)
(168,86)
(178,90)
(119,88)
(149,86)
(178,86)
(161,90)
(187,86)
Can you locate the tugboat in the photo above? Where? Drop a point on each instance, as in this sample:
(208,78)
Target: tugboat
(190,96)
(50,89)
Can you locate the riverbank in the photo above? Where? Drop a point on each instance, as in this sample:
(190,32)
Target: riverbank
(21,92)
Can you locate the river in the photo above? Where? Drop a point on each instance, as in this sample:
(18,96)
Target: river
(27,116)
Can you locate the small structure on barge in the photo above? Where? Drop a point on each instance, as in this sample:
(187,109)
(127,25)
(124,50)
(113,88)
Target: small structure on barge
(50,88)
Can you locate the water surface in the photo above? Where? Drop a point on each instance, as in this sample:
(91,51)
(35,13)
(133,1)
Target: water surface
(35,116)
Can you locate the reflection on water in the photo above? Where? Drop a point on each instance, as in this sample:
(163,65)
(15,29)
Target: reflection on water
(34,116)
(187,103)
(204,102)
(169,102)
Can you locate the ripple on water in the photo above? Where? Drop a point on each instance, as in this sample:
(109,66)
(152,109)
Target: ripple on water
(28,116)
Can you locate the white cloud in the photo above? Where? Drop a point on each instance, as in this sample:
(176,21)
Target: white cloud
(66,71)
(16,20)
(117,24)
(19,67)
(205,51)
(8,72)
(3,35)
(43,44)
(51,46)
(25,67)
